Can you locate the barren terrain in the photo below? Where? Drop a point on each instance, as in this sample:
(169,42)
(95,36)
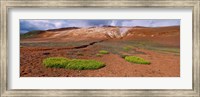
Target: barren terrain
(159,45)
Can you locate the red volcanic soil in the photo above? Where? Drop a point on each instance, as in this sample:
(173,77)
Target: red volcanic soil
(166,35)
(163,64)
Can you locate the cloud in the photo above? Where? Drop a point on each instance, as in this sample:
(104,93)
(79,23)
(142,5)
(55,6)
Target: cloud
(29,25)
(151,23)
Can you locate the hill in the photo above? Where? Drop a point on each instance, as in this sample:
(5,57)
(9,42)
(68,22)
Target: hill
(169,34)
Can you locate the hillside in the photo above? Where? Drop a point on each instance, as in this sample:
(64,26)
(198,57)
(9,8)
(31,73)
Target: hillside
(171,34)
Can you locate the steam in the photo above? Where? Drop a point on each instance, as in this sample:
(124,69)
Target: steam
(113,23)
(123,31)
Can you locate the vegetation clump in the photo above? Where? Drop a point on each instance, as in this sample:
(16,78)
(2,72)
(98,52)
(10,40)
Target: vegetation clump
(99,55)
(137,60)
(30,34)
(103,52)
(127,48)
(76,64)
(81,64)
(56,62)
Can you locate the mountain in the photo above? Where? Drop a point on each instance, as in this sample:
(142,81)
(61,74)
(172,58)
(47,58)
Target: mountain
(103,33)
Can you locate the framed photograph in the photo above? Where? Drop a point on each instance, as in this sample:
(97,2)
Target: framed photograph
(99,48)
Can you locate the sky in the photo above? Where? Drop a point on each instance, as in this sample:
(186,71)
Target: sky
(27,25)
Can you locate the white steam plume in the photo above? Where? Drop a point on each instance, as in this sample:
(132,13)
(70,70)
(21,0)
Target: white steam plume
(113,23)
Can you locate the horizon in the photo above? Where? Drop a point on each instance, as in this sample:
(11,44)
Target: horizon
(27,25)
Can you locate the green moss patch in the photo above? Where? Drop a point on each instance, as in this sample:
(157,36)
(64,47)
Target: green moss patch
(30,34)
(56,62)
(76,64)
(137,60)
(99,55)
(103,52)
(81,64)
(127,48)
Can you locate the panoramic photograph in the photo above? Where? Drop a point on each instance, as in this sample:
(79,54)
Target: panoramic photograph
(99,48)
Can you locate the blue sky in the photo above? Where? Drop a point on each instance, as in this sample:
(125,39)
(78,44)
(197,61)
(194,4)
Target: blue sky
(44,24)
